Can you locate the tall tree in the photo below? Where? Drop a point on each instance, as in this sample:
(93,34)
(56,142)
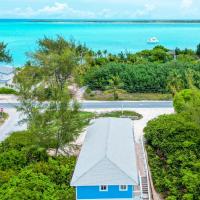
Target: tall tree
(4,54)
(58,122)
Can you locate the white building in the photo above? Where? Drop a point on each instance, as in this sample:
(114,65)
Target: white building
(6,76)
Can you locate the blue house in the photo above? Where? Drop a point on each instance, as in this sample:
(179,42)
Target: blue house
(106,168)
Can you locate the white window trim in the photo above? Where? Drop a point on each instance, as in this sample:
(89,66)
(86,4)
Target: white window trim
(123,190)
(103,190)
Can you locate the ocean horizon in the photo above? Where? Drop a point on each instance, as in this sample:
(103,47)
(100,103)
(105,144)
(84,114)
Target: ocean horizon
(21,35)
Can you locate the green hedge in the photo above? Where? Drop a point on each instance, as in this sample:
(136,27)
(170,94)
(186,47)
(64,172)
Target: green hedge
(4,90)
(148,77)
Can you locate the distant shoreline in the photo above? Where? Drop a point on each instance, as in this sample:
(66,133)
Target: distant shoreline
(98,21)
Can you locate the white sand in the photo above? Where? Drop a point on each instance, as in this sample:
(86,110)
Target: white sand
(8,98)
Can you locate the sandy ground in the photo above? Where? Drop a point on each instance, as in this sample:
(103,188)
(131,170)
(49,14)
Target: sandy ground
(8,98)
(11,124)
(147,113)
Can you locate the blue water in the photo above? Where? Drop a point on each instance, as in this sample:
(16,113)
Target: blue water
(21,36)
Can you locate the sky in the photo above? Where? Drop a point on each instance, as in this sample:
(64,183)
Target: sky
(100,9)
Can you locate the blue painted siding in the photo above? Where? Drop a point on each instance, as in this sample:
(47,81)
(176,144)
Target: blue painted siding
(92,192)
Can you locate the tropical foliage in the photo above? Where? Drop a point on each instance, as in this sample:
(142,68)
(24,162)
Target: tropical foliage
(173,148)
(149,77)
(27,172)
(158,70)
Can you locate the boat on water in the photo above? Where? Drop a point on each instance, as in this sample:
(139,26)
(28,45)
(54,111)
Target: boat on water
(153,40)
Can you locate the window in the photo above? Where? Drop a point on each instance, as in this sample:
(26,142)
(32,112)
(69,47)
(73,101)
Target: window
(123,188)
(103,188)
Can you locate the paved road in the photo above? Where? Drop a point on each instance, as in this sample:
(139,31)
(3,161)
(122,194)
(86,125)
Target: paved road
(127,104)
(110,104)
(12,123)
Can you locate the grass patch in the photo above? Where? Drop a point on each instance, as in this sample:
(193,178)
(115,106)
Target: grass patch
(4,90)
(105,96)
(3,117)
(119,114)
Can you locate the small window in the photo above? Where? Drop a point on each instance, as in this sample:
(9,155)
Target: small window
(123,188)
(103,188)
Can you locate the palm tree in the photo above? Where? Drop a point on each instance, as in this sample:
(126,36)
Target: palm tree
(99,53)
(175,83)
(105,53)
(115,83)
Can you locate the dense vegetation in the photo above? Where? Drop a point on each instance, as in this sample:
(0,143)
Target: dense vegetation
(27,172)
(147,77)
(158,70)
(173,145)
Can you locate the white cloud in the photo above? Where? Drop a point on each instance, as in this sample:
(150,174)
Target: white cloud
(101,9)
(63,10)
(56,8)
(147,10)
(59,10)
(186,4)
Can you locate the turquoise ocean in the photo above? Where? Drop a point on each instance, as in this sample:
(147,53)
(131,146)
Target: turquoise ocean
(21,36)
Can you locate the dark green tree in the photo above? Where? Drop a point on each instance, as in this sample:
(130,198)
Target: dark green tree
(4,54)
(198,50)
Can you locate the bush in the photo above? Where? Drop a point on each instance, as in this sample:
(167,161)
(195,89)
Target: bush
(186,99)
(173,151)
(7,91)
(28,185)
(27,172)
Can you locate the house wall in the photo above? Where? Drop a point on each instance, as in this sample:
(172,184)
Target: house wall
(93,192)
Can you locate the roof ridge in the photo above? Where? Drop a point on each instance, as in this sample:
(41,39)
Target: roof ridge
(104,156)
(107,137)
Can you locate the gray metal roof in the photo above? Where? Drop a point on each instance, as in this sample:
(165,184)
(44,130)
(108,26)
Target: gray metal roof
(6,70)
(108,155)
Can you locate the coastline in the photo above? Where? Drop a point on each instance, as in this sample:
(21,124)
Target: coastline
(102,21)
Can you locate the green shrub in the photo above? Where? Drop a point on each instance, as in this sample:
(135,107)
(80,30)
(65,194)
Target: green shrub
(28,185)
(4,90)
(186,99)
(173,151)
(27,172)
